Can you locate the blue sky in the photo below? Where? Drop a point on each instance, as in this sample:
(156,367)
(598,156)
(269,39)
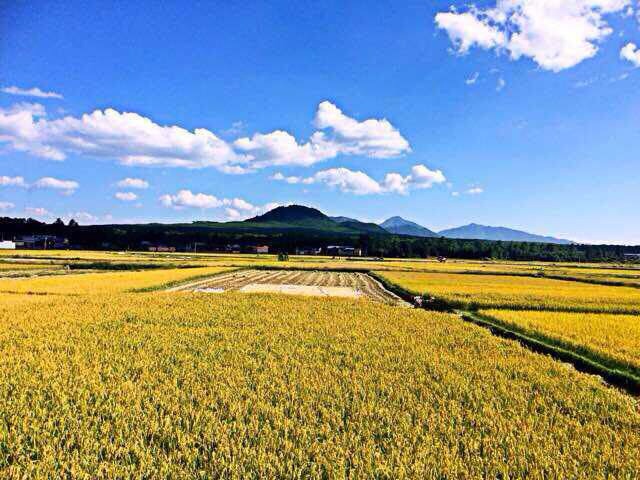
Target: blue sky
(522,113)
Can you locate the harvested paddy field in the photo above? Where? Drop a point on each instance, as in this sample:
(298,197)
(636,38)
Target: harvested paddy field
(309,282)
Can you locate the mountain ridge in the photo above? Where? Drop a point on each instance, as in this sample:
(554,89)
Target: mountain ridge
(302,217)
(476,231)
(401,226)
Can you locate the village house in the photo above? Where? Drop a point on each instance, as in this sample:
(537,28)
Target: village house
(7,245)
(343,251)
(257,249)
(308,251)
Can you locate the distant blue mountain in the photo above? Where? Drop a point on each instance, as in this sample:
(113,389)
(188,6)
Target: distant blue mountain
(400,226)
(484,232)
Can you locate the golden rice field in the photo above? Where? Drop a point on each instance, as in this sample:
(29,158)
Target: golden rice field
(612,337)
(103,282)
(522,293)
(237,260)
(105,374)
(184,385)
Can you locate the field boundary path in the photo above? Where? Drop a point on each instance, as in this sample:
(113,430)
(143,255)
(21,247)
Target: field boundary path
(622,379)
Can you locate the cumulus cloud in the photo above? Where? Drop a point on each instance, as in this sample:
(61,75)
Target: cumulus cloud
(556,34)
(234,208)
(6,206)
(348,181)
(133,139)
(290,179)
(30,92)
(631,53)
(186,198)
(339,134)
(126,196)
(500,84)
(359,183)
(469,29)
(128,137)
(474,191)
(372,138)
(281,148)
(422,177)
(133,183)
(66,186)
(6,181)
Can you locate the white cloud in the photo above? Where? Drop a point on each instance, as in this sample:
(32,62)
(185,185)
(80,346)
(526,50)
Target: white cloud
(80,217)
(455,194)
(34,109)
(30,92)
(556,34)
(6,181)
(234,208)
(37,211)
(185,198)
(469,29)
(472,79)
(282,148)
(359,183)
(631,53)
(233,214)
(126,196)
(133,183)
(128,137)
(291,179)
(6,206)
(67,186)
(422,177)
(501,84)
(474,191)
(372,138)
(136,140)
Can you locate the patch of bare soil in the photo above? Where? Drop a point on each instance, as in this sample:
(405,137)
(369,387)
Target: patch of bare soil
(296,282)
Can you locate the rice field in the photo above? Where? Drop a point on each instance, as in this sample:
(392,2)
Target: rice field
(141,374)
(613,339)
(518,293)
(170,385)
(317,282)
(104,282)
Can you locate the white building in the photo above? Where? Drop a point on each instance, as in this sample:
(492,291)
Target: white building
(7,245)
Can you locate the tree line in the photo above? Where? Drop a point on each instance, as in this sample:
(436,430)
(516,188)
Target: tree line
(214,238)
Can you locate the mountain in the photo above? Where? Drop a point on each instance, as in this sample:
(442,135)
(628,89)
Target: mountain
(364,227)
(400,226)
(358,225)
(343,219)
(298,216)
(294,216)
(484,232)
(291,214)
